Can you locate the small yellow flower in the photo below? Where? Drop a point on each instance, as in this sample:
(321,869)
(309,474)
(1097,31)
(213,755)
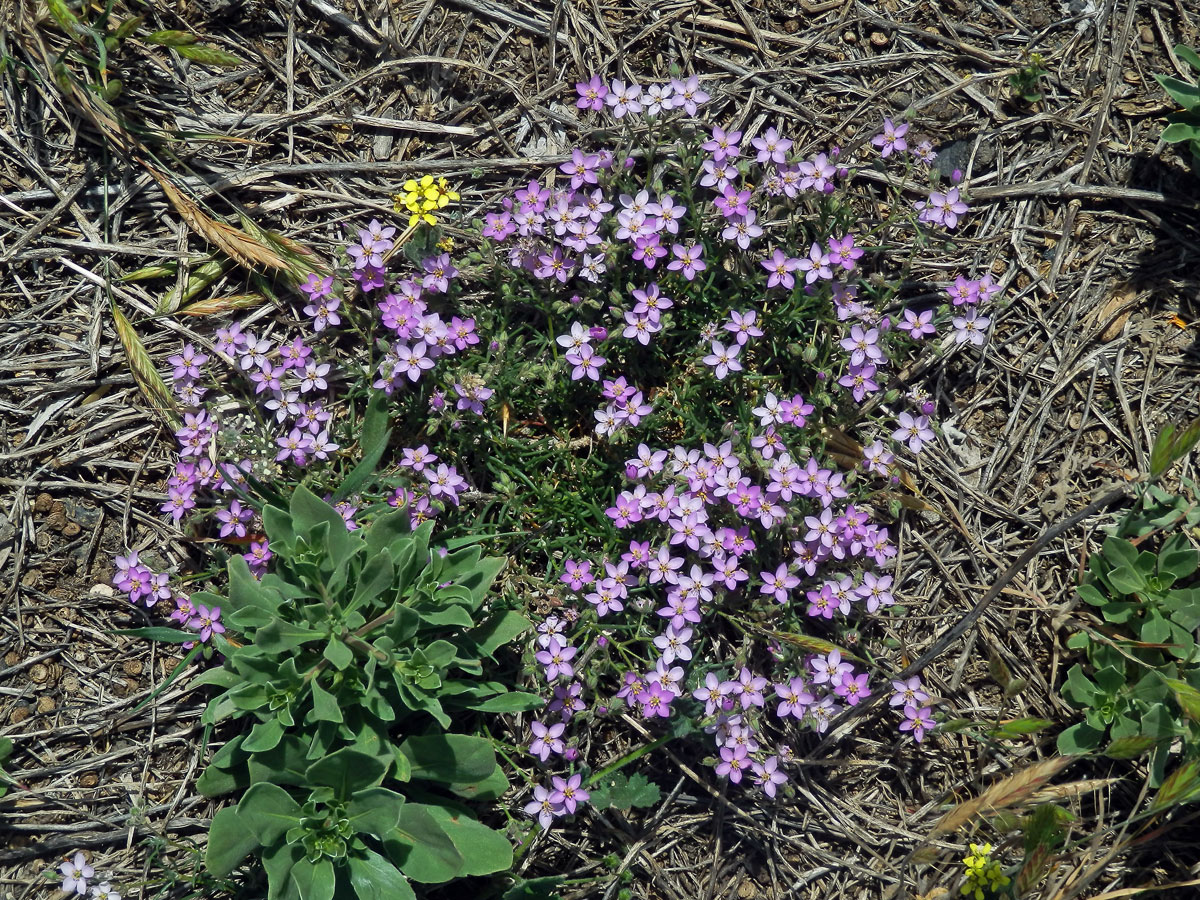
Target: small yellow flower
(446,244)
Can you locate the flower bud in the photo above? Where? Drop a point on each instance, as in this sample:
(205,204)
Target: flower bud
(891,396)
(810,354)
(598,333)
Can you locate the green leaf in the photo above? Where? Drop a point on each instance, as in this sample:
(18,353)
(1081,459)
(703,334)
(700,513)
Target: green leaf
(1127,580)
(623,792)
(375,436)
(374,878)
(480,579)
(230,841)
(1089,593)
(278,861)
(421,849)
(376,577)
(450,615)
(278,525)
(484,850)
(285,763)
(502,628)
(264,736)
(1182,92)
(1177,132)
(375,811)
(314,881)
(268,811)
(491,788)
(1188,55)
(246,591)
(1119,552)
(514,701)
(1079,738)
(449,758)
(308,511)
(225,771)
(1154,629)
(347,771)
(1078,689)
(1178,558)
(339,655)
(281,636)
(325,705)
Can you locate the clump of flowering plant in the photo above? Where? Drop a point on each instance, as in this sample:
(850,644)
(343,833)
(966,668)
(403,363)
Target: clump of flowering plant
(715,529)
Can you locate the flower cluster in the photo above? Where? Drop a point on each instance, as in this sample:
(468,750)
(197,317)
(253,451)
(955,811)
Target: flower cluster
(984,875)
(423,197)
(142,585)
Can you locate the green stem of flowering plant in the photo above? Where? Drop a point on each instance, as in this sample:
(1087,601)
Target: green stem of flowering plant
(632,756)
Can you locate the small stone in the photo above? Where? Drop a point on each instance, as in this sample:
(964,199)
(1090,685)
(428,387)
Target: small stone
(849,37)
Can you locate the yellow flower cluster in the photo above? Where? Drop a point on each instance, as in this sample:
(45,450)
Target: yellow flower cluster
(422,198)
(983,872)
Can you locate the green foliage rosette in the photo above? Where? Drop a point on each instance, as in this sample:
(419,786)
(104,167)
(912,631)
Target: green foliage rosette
(355,662)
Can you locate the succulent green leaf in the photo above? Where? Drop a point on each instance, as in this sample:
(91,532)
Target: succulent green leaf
(501,629)
(268,811)
(421,849)
(1178,558)
(374,878)
(484,850)
(346,771)
(375,811)
(264,736)
(449,758)
(375,436)
(1119,552)
(1079,738)
(514,701)
(1127,580)
(325,706)
(230,840)
(315,881)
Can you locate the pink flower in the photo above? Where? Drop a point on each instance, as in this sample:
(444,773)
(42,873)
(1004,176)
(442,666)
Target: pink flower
(591,93)
(892,138)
